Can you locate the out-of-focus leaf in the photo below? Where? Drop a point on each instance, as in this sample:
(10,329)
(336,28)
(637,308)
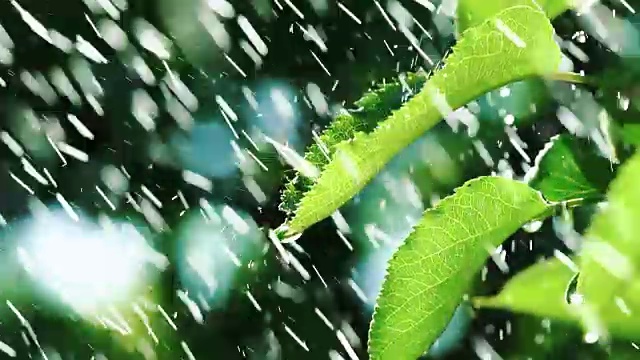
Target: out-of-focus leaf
(545,290)
(630,133)
(515,44)
(570,168)
(429,274)
(610,257)
(539,290)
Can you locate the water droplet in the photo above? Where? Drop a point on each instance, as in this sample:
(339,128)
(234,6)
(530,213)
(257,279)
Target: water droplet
(532,226)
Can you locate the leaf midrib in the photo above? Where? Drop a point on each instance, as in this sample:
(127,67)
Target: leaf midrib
(454,275)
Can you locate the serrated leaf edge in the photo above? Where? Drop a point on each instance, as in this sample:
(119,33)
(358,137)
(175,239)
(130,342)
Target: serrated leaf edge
(549,210)
(533,6)
(361,102)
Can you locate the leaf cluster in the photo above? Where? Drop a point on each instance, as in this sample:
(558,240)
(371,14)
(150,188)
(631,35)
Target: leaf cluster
(433,270)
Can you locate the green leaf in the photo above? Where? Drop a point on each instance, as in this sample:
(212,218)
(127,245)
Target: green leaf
(515,44)
(630,133)
(610,256)
(373,107)
(429,274)
(473,12)
(543,289)
(540,290)
(570,168)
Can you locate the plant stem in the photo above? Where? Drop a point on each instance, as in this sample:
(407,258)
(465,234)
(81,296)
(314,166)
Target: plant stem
(570,77)
(574,203)
(481,302)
